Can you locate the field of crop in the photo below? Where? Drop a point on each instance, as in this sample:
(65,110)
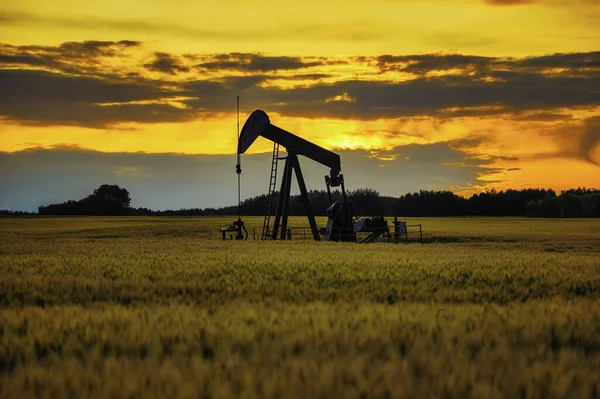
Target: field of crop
(161,307)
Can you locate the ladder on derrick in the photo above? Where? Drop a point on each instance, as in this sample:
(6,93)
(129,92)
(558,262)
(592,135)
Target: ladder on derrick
(266,232)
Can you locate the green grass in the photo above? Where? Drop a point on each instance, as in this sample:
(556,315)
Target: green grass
(156,307)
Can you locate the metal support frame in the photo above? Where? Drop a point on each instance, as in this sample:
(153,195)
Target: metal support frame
(281,199)
(280,225)
(287,181)
(306,200)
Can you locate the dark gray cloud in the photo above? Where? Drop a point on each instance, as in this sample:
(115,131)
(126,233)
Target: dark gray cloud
(306,76)
(67,57)
(486,66)
(36,177)
(422,96)
(45,98)
(26,85)
(90,48)
(166,63)
(589,60)
(26,59)
(421,64)
(494,86)
(249,62)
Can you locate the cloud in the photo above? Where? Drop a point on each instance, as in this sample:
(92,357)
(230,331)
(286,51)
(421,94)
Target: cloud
(78,91)
(577,140)
(91,48)
(248,62)
(27,85)
(421,64)
(447,96)
(558,60)
(166,63)
(44,98)
(590,140)
(25,59)
(542,117)
(486,66)
(35,177)
(66,57)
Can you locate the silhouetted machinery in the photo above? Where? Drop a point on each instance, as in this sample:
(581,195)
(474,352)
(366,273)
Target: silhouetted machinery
(237,228)
(341,224)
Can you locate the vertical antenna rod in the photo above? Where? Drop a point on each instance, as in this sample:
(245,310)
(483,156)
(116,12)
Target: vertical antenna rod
(238,167)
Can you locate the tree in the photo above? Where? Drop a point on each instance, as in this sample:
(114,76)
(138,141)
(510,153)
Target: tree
(549,207)
(571,205)
(366,201)
(105,200)
(112,192)
(532,208)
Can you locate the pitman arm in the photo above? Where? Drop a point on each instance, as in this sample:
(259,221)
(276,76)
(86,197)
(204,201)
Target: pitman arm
(258,124)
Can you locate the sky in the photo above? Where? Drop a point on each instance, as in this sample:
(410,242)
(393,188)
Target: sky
(459,95)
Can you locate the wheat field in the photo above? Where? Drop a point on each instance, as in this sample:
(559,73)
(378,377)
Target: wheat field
(161,307)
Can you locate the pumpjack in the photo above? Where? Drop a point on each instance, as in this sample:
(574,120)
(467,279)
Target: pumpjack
(341,224)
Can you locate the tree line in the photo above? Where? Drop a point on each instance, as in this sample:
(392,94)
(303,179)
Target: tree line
(580,202)
(105,200)
(573,203)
